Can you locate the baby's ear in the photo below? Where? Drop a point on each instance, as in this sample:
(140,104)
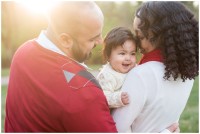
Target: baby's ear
(65,40)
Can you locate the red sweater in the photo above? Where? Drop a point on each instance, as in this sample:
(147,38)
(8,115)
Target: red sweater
(48,92)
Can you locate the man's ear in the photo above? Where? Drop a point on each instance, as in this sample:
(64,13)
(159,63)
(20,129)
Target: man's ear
(65,40)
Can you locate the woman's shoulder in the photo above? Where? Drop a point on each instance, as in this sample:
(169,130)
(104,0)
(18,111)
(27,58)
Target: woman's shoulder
(148,67)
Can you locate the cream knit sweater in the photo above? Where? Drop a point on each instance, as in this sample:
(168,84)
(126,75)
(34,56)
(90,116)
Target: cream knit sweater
(111,83)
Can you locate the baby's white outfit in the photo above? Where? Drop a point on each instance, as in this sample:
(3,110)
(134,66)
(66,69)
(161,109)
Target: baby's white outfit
(111,83)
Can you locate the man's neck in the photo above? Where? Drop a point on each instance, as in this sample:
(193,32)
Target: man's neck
(52,37)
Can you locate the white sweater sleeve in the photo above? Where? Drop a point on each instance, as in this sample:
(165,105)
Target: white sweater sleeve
(125,116)
(108,84)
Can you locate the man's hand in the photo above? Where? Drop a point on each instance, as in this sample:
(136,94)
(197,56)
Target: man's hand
(124,97)
(174,128)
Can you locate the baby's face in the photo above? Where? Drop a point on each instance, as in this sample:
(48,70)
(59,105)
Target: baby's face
(123,58)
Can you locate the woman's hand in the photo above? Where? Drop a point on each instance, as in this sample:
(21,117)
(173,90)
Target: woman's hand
(174,128)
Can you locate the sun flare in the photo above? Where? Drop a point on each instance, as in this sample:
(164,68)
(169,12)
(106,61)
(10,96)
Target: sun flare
(38,7)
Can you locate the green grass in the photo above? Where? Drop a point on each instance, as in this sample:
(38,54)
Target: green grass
(5,71)
(189,121)
(3,102)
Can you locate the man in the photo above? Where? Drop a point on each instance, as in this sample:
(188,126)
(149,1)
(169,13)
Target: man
(49,89)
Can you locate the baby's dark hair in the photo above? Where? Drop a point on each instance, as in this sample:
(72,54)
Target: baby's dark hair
(176,33)
(116,37)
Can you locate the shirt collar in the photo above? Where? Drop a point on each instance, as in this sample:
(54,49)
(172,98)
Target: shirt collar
(43,41)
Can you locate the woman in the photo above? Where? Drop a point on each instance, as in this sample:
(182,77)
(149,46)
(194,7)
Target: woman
(160,85)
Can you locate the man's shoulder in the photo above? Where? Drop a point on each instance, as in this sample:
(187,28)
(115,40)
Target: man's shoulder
(28,44)
(78,77)
(24,51)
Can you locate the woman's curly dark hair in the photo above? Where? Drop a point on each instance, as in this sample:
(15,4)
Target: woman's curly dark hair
(176,33)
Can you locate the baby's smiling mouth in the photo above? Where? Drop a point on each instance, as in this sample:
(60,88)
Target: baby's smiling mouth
(126,65)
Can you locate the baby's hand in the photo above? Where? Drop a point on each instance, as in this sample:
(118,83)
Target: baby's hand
(124,97)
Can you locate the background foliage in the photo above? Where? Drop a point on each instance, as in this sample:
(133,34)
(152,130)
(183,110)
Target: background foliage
(20,25)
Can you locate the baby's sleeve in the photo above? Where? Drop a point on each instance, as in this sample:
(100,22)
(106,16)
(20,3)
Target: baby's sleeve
(108,84)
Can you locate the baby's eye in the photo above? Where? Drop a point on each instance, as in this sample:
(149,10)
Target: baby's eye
(132,53)
(121,53)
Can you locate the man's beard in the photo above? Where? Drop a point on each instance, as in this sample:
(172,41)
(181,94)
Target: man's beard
(78,54)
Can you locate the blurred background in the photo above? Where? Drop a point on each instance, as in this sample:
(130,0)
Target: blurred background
(22,21)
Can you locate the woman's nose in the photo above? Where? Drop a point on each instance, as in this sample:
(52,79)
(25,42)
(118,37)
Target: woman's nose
(99,40)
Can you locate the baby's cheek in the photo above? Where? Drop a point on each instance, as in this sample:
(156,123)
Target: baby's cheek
(133,65)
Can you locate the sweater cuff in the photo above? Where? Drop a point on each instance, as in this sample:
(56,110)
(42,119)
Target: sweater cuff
(120,99)
(115,100)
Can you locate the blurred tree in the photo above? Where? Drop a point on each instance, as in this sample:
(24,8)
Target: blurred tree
(19,25)
(193,6)
(7,32)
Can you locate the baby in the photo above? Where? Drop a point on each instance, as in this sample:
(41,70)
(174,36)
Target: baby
(120,53)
